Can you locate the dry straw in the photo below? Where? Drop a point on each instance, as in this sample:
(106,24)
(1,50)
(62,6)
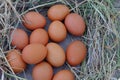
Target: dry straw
(102,36)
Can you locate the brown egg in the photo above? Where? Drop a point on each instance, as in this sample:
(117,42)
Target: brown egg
(58,12)
(42,71)
(64,75)
(19,38)
(56,55)
(57,31)
(34,20)
(39,36)
(34,53)
(15,60)
(76,53)
(75,24)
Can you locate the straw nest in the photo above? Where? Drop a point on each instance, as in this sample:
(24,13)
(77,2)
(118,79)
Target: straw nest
(102,36)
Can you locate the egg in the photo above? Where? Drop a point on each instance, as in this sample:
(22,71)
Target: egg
(39,36)
(64,75)
(34,20)
(56,54)
(15,60)
(57,31)
(34,53)
(76,52)
(58,12)
(19,38)
(75,24)
(42,71)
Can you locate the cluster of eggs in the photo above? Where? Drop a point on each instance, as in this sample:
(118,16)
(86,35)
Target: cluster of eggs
(36,48)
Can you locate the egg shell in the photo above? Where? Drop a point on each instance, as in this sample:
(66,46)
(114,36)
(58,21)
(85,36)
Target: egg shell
(34,20)
(56,54)
(15,60)
(76,52)
(57,31)
(58,12)
(34,53)
(75,24)
(42,71)
(19,38)
(64,75)
(39,36)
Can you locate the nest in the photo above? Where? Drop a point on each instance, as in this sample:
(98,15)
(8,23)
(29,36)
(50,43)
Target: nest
(102,36)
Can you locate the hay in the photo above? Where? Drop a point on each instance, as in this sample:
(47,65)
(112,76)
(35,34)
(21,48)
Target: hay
(102,36)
